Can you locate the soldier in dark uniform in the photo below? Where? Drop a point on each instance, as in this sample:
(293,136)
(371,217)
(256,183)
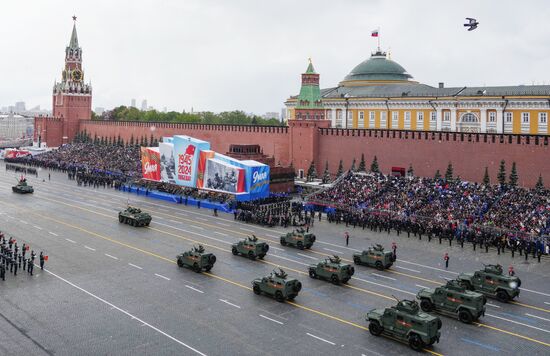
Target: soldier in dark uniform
(15,266)
(41,260)
(2,272)
(24,263)
(19,257)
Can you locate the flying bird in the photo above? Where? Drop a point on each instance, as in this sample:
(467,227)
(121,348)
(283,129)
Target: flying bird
(472,24)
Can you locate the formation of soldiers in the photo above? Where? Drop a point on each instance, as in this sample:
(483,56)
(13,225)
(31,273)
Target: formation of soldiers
(21,169)
(274,211)
(13,258)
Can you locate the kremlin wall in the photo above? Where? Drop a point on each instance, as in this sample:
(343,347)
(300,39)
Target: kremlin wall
(376,110)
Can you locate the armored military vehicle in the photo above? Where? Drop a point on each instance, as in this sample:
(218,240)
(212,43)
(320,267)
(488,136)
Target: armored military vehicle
(332,269)
(454,300)
(250,247)
(22,187)
(375,256)
(298,238)
(277,285)
(196,259)
(492,282)
(134,216)
(405,322)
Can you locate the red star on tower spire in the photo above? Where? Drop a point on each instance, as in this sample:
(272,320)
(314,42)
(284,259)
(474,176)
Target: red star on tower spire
(74,18)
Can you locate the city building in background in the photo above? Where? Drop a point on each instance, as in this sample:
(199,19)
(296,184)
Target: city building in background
(15,126)
(144,105)
(133,103)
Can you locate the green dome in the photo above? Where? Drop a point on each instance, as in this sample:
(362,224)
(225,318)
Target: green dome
(378,67)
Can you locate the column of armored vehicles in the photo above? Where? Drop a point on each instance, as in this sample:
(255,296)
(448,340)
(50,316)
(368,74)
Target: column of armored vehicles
(409,321)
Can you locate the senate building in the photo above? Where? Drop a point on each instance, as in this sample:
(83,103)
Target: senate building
(379,94)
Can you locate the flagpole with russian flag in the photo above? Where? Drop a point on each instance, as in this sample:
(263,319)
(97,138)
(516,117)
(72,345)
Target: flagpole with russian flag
(375,33)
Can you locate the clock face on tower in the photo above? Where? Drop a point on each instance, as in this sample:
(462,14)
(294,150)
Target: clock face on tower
(77,75)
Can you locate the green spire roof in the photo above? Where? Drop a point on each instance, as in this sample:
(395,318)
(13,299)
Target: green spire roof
(310,69)
(310,94)
(74,38)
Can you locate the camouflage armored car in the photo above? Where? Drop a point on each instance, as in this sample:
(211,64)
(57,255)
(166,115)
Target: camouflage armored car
(405,322)
(491,282)
(22,187)
(375,256)
(250,247)
(134,217)
(298,238)
(332,269)
(277,285)
(453,300)
(196,259)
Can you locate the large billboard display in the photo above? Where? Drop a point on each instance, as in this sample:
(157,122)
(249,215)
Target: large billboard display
(150,163)
(222,176)
(187,150)
(167,162)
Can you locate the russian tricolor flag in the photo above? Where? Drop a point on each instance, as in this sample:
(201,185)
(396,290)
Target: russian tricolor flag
(374,33)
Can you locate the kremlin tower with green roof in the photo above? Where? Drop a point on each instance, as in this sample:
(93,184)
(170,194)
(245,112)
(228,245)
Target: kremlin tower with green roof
(308,103)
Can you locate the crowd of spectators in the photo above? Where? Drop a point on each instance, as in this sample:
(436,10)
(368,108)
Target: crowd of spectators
(498,214)
(272,211)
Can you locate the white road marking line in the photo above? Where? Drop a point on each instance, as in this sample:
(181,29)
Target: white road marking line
(306,256)
(195,289)
(430,267)
(133,265)
(538,317)
(379,275)
(242,228)
(328,249)
(37,227)
(273,320)
(407,269)
(9,216)
(52,233)
(222,224)
(546,303)
(276,248)
(275,237)
(161,276)
(493,305)
(382,285)
(113,257)
(203,219)
(320,338)
(534,291)
(126,313)
(23,222)
(226,302)
(289,259)
(419,286)
(71,241)
(89,248)
(517,322)
(220,233)
(174,221)
(339,246)
(448,279)
(196,227)
(182,214)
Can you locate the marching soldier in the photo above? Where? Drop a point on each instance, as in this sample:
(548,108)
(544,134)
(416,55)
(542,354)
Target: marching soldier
(41,260)
(3,272)
(24,263)
(30,266)
(14,267)
(446,258)
(20,257)
(16,248)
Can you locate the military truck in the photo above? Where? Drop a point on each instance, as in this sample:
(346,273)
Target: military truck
(250,247)
(277,285)
(454,300)
(491,282)
(375,256)
(405,322)
(298,238)
(196,259)
(22,187)
(134,217)
(332,269)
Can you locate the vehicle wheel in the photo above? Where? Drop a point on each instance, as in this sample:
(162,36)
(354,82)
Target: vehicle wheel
(312,273)
(300,245)
(334,279)
(344,281)
(207,269)
(502,296)
(426,305)
(357,260)
(279,296)
(251,255)
(120,219)
(291,296)
(196,267)
(147,223)
(297,287)
(261,257)
(234,251)
(415,342)
(180,264)
(375,328)
(439,324)
(283,242)
(465,316)
(379,266)
(256,289)
(212,259)
(266,248)
(351,271)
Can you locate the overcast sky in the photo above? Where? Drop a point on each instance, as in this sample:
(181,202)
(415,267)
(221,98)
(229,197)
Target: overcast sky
(222,55)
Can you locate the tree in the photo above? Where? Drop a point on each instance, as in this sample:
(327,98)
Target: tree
(437,175)
(132,140)
(118,140)
(95,139)
(410,171)
(156,144)
(449,173)
(540,185)
(340,169)
(362,164)
(352,166)
(374,165)
(311,172)
(486,179)
(513,175)
(151,140)
(110,142)
(145,143)
(326,174)
(501,176)
(141,141)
